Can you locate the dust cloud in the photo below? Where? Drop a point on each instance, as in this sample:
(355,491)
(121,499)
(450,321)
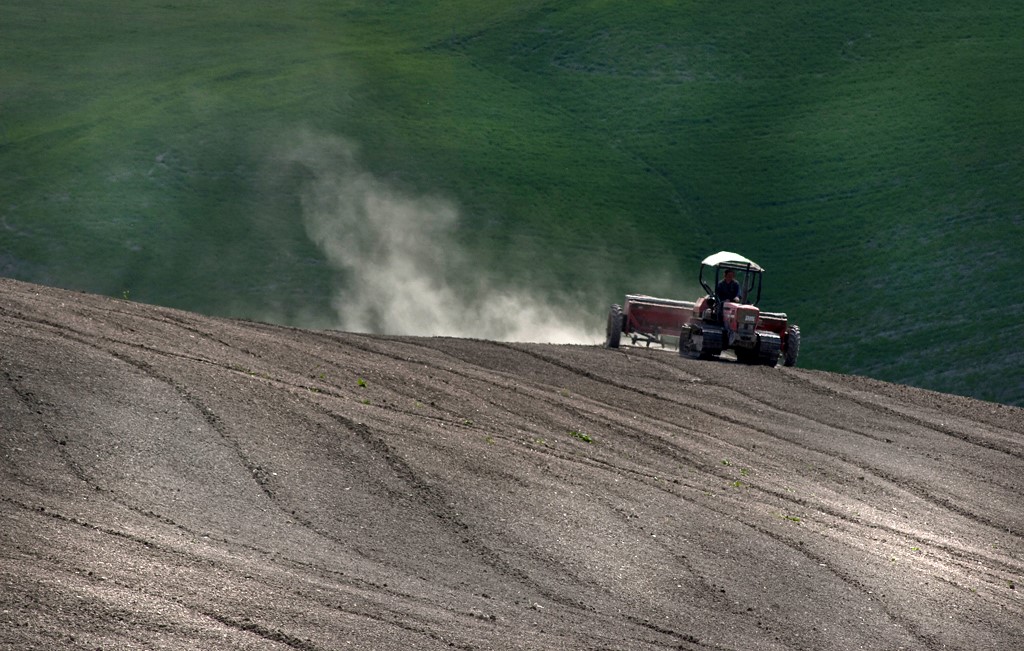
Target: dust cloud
(401,270)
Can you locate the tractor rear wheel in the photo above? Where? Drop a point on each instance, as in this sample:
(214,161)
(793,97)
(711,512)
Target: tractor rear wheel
(613,333)
(792,346)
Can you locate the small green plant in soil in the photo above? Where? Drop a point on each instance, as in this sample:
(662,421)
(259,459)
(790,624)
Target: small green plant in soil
(583,436)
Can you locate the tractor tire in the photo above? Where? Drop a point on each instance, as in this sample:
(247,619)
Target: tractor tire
(792,346)
(613,333)
(768,348)
(712,340)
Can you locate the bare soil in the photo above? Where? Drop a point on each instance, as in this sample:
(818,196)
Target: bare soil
(172,481)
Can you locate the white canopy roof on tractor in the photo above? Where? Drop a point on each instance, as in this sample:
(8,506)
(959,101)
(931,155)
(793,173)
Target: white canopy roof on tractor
(749,274)
(729,259)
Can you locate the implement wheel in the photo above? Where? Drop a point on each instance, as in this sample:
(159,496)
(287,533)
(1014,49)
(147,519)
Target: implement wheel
(613,333)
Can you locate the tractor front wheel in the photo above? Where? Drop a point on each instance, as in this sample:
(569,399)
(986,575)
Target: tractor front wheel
(613,333)
(712,342)
(792,346)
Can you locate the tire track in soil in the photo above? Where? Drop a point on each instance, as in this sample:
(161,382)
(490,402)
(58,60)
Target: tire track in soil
(667,449)
(800,549)
(650,479)
(876,407)
(895,483)
(622,426)
(402,470)
(388,455)
(628,429)
(908,485)
(899,483)
(191,559)
(436,501)
(34,406)
(961,557)
(253,470)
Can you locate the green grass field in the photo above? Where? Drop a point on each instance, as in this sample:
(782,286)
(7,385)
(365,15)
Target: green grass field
(869,156)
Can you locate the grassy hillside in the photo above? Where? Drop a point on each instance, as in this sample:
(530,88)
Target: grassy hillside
(256,160)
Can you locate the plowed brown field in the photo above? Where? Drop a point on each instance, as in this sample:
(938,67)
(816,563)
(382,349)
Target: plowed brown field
(172,481)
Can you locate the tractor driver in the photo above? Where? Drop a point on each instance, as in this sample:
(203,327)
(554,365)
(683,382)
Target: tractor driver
(728,289)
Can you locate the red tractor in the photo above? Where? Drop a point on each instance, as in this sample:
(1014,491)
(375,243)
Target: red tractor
(727,318)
